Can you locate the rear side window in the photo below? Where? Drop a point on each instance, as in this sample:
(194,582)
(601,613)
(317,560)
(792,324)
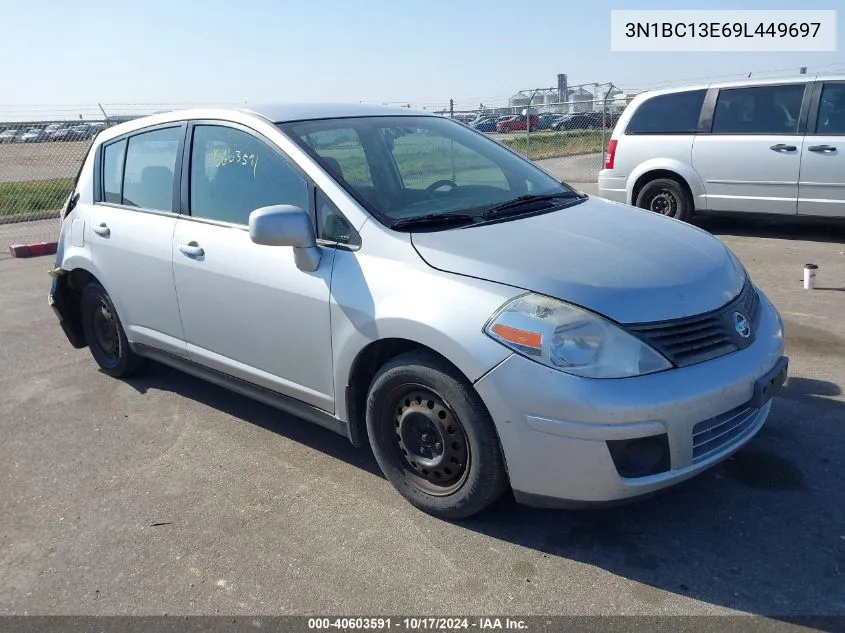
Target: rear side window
(758,110)
(675,113)
(113,172)
(150,165)
(831,119)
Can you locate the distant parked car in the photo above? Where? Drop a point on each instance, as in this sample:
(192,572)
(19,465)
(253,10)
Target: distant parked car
(33,135)
(75,133)
(59,134)
(485,125)
(519,122)
(9,136)
(546,121)
(586,121)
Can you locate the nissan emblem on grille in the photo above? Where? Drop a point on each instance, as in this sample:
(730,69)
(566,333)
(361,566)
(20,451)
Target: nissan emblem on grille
(741,325)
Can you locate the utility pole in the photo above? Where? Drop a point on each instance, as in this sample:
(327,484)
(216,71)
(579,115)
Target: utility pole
(451,108)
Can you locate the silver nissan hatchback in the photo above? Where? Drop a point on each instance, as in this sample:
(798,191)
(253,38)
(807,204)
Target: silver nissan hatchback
(403,280)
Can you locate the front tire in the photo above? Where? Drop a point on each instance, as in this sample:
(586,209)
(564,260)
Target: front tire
(667,197)
(433,437)
(104,333)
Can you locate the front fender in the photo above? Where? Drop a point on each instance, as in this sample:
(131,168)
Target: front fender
(411,301)
(684,170)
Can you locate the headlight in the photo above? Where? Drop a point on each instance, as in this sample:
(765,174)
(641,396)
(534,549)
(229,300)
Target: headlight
(573,340)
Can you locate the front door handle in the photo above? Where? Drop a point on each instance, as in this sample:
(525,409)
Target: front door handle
(192,249)
(782,147)
(102,230)
(826,149)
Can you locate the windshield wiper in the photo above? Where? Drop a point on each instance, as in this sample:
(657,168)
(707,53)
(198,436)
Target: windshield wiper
(521,201)
(434,219)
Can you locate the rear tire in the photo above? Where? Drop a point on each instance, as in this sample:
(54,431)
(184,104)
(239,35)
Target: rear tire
(433,437)
(104,333)
(667,197)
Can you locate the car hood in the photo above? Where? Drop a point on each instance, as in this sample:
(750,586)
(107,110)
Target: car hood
(628,264)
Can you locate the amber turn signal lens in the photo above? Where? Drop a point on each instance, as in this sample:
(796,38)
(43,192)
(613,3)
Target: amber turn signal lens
(517,336)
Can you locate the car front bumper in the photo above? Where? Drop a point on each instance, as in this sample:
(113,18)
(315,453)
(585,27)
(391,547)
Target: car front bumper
(554,427)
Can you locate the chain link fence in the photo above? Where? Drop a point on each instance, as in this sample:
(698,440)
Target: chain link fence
(566,137)
(41,149)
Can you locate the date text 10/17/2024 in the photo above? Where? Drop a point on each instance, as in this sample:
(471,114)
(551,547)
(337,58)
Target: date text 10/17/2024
(418,624)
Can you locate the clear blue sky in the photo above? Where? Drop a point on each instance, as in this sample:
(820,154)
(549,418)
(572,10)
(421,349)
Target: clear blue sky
(420,51)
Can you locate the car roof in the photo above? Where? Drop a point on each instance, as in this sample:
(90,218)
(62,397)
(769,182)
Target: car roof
(285,112)
(275,113)
(739,83)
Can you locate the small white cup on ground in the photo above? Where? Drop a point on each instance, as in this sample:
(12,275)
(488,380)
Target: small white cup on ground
(810,276)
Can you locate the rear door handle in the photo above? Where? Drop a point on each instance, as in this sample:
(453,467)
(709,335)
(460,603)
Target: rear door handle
(192,249)
(102,230)
(822,148)
(782,147)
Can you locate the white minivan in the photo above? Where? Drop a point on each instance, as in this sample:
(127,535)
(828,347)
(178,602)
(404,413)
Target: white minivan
(755,146)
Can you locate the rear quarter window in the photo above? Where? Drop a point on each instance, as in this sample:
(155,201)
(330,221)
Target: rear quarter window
(675,113)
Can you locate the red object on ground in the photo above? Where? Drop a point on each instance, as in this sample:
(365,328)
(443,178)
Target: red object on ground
(33,250)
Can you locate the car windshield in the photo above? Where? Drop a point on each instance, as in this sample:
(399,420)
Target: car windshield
(405,167)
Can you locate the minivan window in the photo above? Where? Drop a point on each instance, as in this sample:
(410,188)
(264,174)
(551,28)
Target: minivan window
(233,173)
(150,165)
(674,113)
(758,110)
(831,118)
(424,165)
(113,172)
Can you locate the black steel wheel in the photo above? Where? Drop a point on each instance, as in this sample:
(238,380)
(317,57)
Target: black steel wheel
(433,437)
(667,197)
(431,440)
(104,333)
(106,337)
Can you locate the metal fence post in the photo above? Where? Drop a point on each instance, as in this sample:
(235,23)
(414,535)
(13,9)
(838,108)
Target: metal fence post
(604,126)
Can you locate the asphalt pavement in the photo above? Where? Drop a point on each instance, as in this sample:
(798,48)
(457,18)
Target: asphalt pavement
(164,494)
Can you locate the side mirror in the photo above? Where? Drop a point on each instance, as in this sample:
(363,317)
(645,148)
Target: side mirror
(286,225)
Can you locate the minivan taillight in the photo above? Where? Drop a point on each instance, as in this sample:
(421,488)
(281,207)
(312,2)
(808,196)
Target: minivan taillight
(610,156)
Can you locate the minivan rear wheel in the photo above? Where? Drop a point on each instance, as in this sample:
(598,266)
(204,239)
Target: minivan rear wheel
(104,333)
(667,197)
(433,437)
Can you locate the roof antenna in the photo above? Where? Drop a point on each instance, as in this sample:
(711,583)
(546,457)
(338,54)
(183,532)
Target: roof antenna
(749,75)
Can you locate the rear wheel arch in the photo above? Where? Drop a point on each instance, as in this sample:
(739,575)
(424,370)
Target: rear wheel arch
(669,186)
(68,295)
(656,174)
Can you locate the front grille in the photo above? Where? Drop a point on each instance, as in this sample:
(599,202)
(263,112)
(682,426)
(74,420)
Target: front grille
(700,338)
(711,436)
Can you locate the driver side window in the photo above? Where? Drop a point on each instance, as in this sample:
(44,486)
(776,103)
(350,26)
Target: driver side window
(234,173)
(425,158)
